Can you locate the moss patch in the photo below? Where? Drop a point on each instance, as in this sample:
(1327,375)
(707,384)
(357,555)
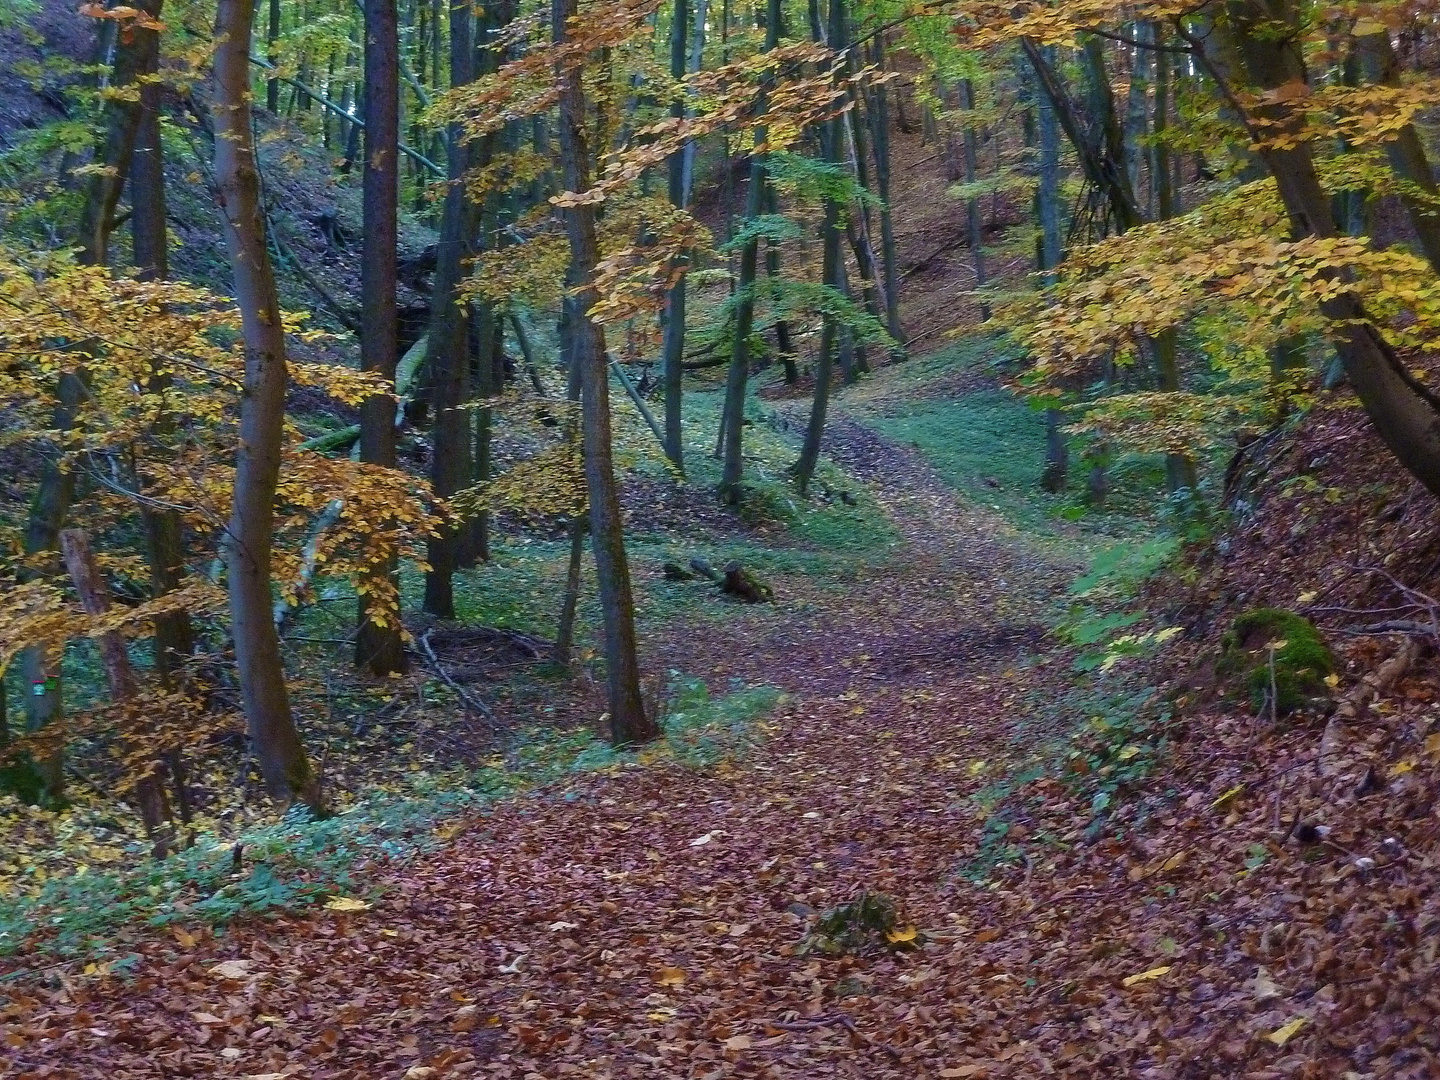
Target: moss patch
(1302,659)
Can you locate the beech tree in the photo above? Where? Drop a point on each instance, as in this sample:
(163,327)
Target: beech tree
(264,694)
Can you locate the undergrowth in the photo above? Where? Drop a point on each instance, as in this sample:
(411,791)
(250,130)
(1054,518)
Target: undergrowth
(297,861)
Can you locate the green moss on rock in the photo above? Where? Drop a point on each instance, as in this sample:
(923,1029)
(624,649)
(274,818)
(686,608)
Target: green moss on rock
(1302,659)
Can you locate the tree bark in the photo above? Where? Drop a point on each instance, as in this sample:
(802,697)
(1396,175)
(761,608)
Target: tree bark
(1406,152)
(1406,414)
(448,350)
(974,230)
(879,114)
(628,722)
(378,644)
(673,340)
(137,53)
(733,462)
(95,600)
(250,535)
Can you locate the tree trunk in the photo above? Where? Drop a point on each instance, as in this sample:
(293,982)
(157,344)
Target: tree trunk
(95,600)
(448,349)
(378,644)
(783,344)
(137,53)
(1405,412)
(879,114)
(974,230)
(832,271)
(673,343)
(733,418)
(272,86)
(628,722)
(1137,103)
(1406,152)
(248,540)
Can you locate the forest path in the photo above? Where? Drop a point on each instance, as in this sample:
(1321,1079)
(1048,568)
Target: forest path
(645,923)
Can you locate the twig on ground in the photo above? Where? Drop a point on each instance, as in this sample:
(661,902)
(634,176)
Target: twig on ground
(465,696)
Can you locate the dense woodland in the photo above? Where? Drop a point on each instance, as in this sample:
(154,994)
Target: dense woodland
(702,538)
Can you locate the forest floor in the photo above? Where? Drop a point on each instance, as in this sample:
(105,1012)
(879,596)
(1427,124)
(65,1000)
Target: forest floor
(1079,885)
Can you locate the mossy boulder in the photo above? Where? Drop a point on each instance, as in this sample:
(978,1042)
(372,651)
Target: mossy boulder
(1302,659)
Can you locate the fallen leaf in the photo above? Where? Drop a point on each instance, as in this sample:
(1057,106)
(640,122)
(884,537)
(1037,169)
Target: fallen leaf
(1145,976)
(1283,1034)
(1263,987)
(701,841)
(346,903)
(186,939)
(1225,798)
(738,1042)
(1174,862)
(963,1072)
(670,976)
(1128,752)
(896,937)
(233,969)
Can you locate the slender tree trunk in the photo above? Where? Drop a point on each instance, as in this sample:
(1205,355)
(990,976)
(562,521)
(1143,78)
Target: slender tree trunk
(1137,103)
(879,114)
(628,722)
(974,228)
(248,540)
(40,664)
(272,36)
(1050,251)
(783,344)
(733,417)
(448,349)
(1406,152)
(95,600)
(804,469)
(377,636)
(673,342)
(137,53)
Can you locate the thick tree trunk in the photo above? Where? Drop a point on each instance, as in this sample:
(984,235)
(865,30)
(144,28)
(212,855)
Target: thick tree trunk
(377,636)
(448,349)
(137,53)
(628,722)
(1405,412)
(248,540)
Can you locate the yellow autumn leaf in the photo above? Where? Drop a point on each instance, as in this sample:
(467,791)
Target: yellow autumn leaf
(1306,597)
(1227,797)
(1332,680)
(1145,976)
(1400,768)
(896,937)
(346,903)
(1128,752)
(670,976)
(1174,862)
(1283,1034)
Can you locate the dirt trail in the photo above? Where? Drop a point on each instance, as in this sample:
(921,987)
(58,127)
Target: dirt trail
(646,924)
